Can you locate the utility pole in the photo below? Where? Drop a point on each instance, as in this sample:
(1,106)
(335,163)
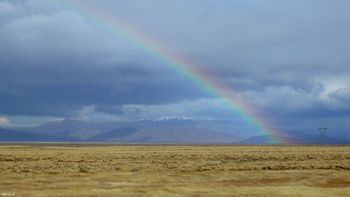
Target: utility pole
(323,131)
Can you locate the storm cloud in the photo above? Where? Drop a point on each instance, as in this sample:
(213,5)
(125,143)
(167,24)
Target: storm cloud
(287,59)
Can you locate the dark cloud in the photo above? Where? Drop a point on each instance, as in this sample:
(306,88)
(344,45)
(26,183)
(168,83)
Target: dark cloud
(58,62)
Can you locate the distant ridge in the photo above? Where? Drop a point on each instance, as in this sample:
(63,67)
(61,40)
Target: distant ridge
(264,139)
(306,139)
(20,136)
(142,131)
(114,134)
(155,131)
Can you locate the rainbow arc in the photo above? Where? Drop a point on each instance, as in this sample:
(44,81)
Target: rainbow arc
(182,65)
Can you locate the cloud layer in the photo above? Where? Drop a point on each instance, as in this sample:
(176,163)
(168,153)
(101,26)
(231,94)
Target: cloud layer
(288,59)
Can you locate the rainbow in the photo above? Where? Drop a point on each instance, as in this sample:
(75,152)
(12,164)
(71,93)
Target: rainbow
(178,63)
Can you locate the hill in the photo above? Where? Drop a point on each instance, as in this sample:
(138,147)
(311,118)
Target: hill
(22,136)
(304,139)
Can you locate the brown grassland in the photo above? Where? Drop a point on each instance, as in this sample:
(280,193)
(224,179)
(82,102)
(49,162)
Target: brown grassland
(174,170)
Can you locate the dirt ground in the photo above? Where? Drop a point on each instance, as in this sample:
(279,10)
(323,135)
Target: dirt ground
(177,170)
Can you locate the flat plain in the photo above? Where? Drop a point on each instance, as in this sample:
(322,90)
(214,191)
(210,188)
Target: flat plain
(174,170)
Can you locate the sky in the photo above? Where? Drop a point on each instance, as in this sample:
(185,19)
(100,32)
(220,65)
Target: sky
(288,60)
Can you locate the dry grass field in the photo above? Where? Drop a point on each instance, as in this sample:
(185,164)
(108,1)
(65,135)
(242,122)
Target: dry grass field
(179,170)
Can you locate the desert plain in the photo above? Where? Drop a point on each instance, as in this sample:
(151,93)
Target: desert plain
(43,170)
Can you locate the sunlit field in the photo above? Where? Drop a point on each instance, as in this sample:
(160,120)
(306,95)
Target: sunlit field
(177,170)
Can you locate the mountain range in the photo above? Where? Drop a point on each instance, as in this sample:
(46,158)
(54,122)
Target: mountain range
(148,131)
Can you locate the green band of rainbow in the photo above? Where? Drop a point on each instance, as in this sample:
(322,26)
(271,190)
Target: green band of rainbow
(180,64)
